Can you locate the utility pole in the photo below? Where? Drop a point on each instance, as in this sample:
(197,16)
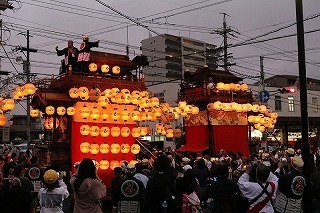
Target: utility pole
(305,145)
(26,66)
(225,31)
(262,85)
(127,47)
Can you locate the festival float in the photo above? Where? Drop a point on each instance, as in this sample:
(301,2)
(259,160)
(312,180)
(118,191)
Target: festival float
(227,112)
(98,115)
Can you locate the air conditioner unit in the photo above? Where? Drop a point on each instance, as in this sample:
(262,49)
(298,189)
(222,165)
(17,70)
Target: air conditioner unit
(5,5)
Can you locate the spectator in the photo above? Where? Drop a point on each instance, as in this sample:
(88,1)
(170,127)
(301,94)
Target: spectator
(114,185)
(144,179)
(260,193)
(291,187)
(88,188)
(51,197)
(201,172)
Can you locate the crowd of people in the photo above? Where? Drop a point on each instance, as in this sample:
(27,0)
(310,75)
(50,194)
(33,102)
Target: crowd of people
(166,181)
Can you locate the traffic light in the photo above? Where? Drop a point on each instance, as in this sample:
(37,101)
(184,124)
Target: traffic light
(291,89)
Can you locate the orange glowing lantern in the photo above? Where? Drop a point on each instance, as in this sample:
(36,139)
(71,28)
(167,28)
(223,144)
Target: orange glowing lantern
(104,148)
(3,120)
(165,107)
(154,102)
(108,93)
(125,148)
(211,106)
(125,131)
(104,131)
(144,103)
(135,132)
(169,133)
(104,115)
(143,131)
(157,112)
(232,86)
(135,115)
(71,111)
(103,101)
(143,116)
(135,149)
(237,87)
(188,109)
(134,162)
(127,98)
(94,148)
(255,108)
(50,110)
(135,99)
(73,93)
(274,115)
(114,164)
(115,131)
(125,115)
(233,106)
(105,68)
(84,130)
(251,118)
(195,110)
(95,113)
(119,98)
(135,92)
(144,94)
(177,133)
(220,86)
(115,148)
(94,131)
(29,89)
(104,165)
(18,93)
(125,91)
(94,94)
(115,115)
(182,104)
(34,113)
(226,106)
(83,93)
(227,87)
(159,127)
(93,67)
(262,108)
(61,110)
(85,112)
(244,87)
(116,70)
(84,147)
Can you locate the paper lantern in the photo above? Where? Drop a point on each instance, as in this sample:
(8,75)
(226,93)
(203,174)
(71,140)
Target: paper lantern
(135,115)
(104,131)
(184,113)
(135,132)
(3,120)
(114,164)
(115,91)
(94,94)
(18,93)
(125,148)
(85,112)
(115,131)
(143,116)
(105,68)
(134,162)
(226,106)
(71,111)
(125,91)
(94,131)
(144,94)
(83,93)
(177,133)
(115,148)
(244,87)
(126,98)
(95,113)
(29,89)
(169,133)
(195,110)
(145,103)
(182,104)
(84,130)
(135,92)
(251,119)
(274,115)
(233,106)
(262,108)
(73,93)
(188,109)
(237,87)
(157,112)
(256,119)
(135,149)
(257,125)
(104,148)
(50,110)
(104,165)
(227,87)
(8,104)
(143,131)
(61,110)
(211,107)
(246,107)
(104,115)
(273,120)
(115,115)
(220,86)
(84,147)
(119,98)
(116,70)
(94,148)
(150,116)
(93,67)
(125,131)
(239,108)
(34,113)
(255,108)
(232,86)
(154,101)
(103,101)
(108,93)
(135,99)
(159,127)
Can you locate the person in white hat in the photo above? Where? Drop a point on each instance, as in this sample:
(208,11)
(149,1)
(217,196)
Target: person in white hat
(291,187)
(84,54)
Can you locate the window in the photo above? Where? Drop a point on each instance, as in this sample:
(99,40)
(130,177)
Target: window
(277,103)
(159,138)
(315,104)
(291,104)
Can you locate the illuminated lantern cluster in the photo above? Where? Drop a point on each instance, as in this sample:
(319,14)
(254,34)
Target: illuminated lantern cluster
(166,130)
(25,90)
(104,68)
(232,87)
(104,148)
(7,104)
(233,106)
(3,120)
(34,113)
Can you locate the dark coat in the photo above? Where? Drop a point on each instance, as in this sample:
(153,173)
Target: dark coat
(292,184)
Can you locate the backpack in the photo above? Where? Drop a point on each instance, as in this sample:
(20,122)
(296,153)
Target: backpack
(191,203)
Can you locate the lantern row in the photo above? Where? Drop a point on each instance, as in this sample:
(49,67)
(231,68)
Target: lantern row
(93,67)
(261,122)
(105,164)
(232,87)
(104,148)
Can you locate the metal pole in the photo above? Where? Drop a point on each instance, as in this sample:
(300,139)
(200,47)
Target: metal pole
(305,146)
(262,79)
(225,43)
(28,80)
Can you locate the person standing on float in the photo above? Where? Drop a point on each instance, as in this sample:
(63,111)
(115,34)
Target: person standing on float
(71,56)
(84,54)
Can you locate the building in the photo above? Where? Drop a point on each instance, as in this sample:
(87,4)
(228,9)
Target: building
(287,105)
(170,56)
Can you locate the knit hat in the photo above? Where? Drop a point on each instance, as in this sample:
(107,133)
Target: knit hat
(50,176)
(290,151)
(297,162)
